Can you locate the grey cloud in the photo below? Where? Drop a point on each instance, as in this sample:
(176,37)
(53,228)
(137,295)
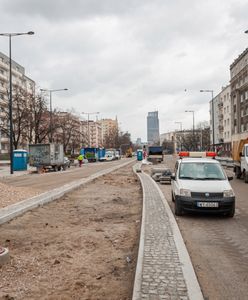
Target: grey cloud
(128,57)
(67,10)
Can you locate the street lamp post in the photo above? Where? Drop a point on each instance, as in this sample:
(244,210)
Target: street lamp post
(193,112)
(181,129)
(88,126)
(50,104)
(9,35)
(212,105)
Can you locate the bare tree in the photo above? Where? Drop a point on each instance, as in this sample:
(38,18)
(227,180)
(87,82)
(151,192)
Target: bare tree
(124,138)
(67,131)
(111,139)
(20,117)
(189,142)
(38,119)
(168,146)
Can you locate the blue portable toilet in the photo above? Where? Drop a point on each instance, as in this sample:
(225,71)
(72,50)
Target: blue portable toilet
(139,154)
(20,160)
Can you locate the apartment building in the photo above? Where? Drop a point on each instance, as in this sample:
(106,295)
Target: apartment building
(95,137)
(225,126)
(108,126)
(215,121)
(239,96)
(220,120)
(153,128)
(19,81)
(92,133)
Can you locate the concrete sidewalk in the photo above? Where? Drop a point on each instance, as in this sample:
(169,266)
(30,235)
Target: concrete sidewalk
(164,269)
(5,171)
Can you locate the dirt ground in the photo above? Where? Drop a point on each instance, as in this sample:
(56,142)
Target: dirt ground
(83,246)
(10,195)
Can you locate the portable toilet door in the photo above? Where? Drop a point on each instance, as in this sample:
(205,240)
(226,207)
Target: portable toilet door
(20,160)
(139,154)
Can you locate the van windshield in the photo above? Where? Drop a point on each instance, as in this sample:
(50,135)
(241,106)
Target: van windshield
(201,171)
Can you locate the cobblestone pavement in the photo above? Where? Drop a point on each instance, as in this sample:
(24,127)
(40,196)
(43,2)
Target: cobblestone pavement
(160,273)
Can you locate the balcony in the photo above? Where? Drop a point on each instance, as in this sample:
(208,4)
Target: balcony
(3,89)
(4,65)
(221,128)
(220,116)
(4,139)
(3,77)
(220,105)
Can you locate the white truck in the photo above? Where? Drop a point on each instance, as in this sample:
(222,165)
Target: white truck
(155,154)
(240,159)
(47,156)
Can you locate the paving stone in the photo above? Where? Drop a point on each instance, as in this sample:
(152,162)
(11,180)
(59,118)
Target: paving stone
(161,264)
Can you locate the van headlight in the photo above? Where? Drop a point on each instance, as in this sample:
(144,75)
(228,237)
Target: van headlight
(228,193)
(185,193)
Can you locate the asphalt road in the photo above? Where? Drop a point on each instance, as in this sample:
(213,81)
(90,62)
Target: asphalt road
(48,181)
(218,246)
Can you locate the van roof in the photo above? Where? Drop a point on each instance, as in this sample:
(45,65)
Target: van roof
(198,160)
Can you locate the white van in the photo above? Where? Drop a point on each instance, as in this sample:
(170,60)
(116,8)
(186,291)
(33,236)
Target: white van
(200,184)
(109,155)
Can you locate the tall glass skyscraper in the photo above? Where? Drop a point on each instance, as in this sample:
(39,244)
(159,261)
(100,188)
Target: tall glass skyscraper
(152,128)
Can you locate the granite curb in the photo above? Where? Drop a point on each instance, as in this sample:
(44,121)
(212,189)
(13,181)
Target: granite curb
(158,285)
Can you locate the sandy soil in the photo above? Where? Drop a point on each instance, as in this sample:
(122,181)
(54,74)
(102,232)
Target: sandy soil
(10,195)
(83,246)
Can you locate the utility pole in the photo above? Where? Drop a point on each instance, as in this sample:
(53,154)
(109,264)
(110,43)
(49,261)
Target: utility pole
(9,35)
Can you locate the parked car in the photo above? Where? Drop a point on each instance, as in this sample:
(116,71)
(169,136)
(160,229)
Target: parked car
(165,177)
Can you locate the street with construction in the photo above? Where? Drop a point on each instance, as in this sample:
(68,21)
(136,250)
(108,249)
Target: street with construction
(108,231)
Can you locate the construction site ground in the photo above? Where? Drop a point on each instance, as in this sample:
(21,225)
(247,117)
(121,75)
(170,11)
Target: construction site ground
(83,246)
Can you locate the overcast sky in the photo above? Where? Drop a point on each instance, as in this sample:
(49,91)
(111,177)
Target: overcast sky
(128,57)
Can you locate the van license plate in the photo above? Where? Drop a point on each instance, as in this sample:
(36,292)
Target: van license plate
(207,204)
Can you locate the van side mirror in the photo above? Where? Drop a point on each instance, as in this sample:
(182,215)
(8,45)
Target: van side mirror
(173,177)
(230,178)
(240,154)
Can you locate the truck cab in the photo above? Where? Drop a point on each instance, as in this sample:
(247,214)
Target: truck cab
(155,154)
